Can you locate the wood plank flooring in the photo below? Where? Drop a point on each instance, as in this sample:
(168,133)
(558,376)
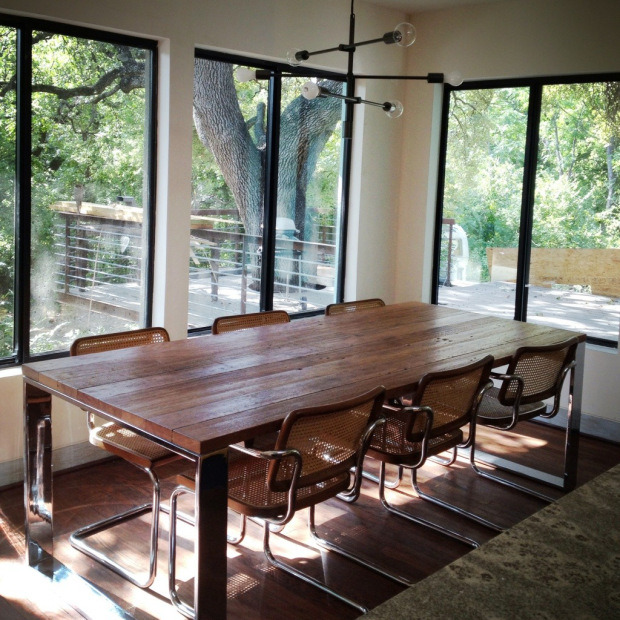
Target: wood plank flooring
(255,589)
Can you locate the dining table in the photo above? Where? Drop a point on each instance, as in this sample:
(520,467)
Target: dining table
(199,395)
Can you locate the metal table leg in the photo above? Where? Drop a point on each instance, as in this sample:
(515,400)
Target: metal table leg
(210,548)
(77,592)
(38,478)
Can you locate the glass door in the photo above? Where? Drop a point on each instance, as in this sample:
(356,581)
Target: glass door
(480,227)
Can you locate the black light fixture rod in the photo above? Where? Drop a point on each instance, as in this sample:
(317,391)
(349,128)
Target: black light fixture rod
(431,78)
(387,38)
(305,54)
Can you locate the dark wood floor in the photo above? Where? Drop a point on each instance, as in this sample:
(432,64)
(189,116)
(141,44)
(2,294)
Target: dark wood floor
(256,590)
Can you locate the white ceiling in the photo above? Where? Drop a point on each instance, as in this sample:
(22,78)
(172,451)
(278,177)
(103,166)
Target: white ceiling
(417,6)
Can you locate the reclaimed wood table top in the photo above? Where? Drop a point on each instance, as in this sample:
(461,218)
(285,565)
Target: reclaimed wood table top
(205,393)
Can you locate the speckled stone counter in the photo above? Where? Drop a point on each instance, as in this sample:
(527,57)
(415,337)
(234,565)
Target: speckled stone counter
(562,562)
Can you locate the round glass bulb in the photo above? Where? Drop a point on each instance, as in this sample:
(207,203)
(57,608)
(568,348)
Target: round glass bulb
(244,74)
(291,57)
(396,109)
(454,78)
(310,90)
(404,34)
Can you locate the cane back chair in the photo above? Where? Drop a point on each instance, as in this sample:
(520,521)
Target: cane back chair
(146,455)
(316,452)
(444,403)
(237,322)
(353,306)
(534,374)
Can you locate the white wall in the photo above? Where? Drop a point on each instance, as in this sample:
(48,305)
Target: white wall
(521,38)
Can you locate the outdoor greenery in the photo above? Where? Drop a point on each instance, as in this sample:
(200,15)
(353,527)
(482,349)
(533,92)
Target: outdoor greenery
(577,199)
(88,137)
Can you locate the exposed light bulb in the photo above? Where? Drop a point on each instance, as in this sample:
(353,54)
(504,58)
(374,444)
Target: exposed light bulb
(296,57)
(393,109)
(245,74)
(310,90)
(454,78)
(404,34)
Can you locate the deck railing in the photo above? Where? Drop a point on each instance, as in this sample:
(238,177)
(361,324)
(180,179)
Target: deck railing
(100,259)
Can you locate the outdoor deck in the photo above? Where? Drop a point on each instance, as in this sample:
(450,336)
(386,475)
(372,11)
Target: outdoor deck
(596,315)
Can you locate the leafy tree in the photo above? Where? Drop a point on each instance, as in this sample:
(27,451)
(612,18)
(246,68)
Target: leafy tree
(238,142)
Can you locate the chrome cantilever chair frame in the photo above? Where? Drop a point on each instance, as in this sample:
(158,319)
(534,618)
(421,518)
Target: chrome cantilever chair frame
(428,440)
(295,500)
(139,451)
(517,407)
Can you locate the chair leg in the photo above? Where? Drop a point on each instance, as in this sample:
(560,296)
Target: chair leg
(394,484)
(326,544)
(78,538)
(452,507)
(419,520)
(508,483)
(447,462)
(182,607)
(307,578)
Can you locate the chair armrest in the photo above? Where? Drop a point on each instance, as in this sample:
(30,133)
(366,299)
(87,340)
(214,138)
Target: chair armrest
(267,454)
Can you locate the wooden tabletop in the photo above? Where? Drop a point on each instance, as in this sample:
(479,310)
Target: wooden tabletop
(204,393)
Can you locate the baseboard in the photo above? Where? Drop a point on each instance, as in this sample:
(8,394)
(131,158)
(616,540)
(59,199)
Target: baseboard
(591,426)
(69,457)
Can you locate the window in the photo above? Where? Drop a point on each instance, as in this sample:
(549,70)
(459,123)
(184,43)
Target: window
(267,178)
(529,213)
(75,232)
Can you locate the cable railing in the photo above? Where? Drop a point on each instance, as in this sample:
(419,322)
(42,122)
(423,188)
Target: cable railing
(101,260)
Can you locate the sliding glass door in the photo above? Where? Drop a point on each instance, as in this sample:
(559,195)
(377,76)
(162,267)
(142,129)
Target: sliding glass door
(529,215)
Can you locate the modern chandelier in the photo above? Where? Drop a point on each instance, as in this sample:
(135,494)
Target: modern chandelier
(403,35)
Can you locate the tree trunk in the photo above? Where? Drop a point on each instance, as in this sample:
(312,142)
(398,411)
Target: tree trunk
(222,128)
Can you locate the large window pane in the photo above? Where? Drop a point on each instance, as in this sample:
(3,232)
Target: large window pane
(230,157)
(7,193)
(308,199)
(89,188)
(227,193)
(482,200)
(575,257)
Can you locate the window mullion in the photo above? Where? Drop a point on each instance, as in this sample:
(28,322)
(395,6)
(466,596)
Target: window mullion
(271,193)
(23,194)
(527,202)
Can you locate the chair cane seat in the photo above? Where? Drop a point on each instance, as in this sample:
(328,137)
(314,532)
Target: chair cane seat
(492,412)
(392,447)
(248,492)
(124,442)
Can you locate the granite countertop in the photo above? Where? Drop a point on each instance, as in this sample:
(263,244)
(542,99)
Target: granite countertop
(562,562)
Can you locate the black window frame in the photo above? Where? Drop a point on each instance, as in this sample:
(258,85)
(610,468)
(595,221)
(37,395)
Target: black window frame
(535,85)
(24,27)
(277,71)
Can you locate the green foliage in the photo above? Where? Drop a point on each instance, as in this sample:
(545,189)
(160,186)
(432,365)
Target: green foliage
(577,190)
(88,127)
